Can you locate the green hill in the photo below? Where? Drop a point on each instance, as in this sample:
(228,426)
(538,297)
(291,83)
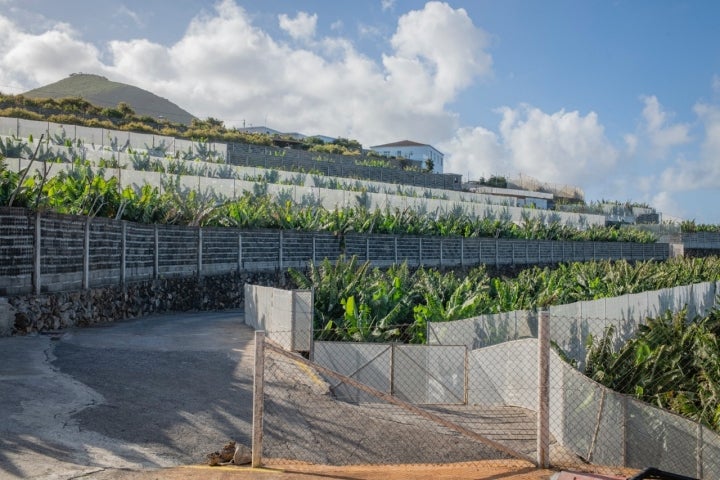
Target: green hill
(105,93)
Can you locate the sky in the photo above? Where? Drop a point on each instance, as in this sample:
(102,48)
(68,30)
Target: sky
(620,98)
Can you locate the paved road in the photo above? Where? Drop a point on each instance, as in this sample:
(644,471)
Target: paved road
(155,392)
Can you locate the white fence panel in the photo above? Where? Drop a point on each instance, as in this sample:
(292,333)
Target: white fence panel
(273,310)
(368,363)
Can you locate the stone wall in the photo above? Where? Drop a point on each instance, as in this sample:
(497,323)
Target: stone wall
(25,314)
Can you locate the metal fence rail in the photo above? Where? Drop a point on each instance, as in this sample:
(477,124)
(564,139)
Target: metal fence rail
(43,252)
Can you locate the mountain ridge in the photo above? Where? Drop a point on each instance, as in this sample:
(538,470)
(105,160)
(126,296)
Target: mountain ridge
(100,91)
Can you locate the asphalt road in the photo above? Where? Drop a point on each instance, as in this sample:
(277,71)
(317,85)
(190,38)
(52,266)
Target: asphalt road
(148,393)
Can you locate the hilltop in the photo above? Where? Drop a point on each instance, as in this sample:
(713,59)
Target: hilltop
(102,92)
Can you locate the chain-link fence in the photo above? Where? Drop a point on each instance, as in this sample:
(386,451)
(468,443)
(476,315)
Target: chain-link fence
(383,404)
(515,401)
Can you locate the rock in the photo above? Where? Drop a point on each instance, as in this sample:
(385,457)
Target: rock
(7,318)
(227,452)
(243,455)
(231,453)
(213,459)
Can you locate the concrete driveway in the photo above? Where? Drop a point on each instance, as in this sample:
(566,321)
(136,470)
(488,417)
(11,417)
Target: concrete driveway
(147,393)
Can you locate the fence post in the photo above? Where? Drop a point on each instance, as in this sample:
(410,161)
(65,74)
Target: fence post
(420,260)
(396,250)
(462,251)
(497,253)
(200,252)
(624,429)
(123,253)
(156,260)
(699,451)
(527,253)
(314,249)
(441,252)
(38,259)
(86,256)
(367,248)
(239,258)
(543,400)
(392,369)
(258,400)
(280,250)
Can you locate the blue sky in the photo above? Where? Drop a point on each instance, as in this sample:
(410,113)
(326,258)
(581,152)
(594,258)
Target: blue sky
(620,98)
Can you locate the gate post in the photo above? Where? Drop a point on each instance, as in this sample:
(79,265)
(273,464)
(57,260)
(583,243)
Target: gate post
(258,400)
(543,400)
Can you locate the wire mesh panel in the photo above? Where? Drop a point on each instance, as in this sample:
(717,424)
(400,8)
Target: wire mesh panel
(62,250)
(17,237)
(220,250)
(326,246)
(382,249)
(430,251)
(297,249)
(471,251)
(139,251)
(178,250)
(408,248)
(451,252)
(105,252)
(654,366)
(660,439)
(368,363)
(709,453)
(424,374)
(586,417)
(307,418)
(260,250)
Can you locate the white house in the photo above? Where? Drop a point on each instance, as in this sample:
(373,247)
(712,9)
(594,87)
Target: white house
(418,152)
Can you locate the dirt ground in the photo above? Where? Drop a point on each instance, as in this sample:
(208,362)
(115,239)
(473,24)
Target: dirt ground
(283,470)
(277,470)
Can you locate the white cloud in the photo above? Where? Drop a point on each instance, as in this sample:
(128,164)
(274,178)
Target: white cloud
(563,147)
(124,11)
(476,152)
(704,173)
(441,47)
(387,4)
(302,27)
(662,134)
(227,67)
(31,60)
(631,143)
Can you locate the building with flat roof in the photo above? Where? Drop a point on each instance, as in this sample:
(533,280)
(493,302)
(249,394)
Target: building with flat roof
(417,152)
